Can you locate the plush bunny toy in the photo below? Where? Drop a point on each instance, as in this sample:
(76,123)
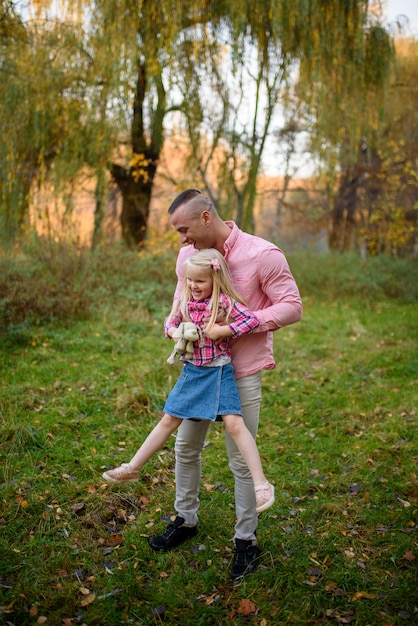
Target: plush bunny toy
(186,333)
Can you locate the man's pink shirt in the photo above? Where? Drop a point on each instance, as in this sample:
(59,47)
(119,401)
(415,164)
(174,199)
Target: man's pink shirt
(262,276)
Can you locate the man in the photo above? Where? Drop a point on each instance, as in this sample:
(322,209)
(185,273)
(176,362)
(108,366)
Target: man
(262,276)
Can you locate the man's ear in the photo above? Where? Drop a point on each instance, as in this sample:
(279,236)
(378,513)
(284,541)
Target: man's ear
(206,218)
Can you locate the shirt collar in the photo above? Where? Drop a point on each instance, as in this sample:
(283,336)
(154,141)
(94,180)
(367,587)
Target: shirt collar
(232,238)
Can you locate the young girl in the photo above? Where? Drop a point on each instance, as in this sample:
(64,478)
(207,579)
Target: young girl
(206,389)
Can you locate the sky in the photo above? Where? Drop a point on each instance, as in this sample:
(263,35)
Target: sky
(408,8)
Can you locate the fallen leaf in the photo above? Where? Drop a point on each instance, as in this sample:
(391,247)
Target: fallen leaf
(209,599)
(115,540)
(314,571)
(331,587)
(246,607)
(404,503)
(200,547)
(349,553)
(88,600)
(409,556)
(159,611)
(5,584)
(343,618)
(78,508)
(84,591)
(359,595)
(404,615)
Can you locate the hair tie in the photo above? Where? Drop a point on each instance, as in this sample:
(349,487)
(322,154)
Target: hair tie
(216,266)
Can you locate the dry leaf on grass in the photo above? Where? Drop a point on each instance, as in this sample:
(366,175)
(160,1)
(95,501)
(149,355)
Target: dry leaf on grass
(360,595)
(246,607)
(88,597)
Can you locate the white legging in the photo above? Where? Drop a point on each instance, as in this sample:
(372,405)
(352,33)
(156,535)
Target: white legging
(189,444)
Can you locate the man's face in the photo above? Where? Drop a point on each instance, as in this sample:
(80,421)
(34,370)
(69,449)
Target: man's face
(192,230)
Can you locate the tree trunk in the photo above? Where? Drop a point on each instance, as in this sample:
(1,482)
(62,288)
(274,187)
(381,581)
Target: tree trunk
(136,189)
(357,192)
(343,214)
(136,182)
(99,211)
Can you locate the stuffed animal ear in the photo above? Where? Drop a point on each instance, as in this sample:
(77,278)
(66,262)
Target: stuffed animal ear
(178,333)
(181,345)
(172,358)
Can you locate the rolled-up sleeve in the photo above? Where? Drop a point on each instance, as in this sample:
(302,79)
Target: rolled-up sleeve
(244,321)
(280,288)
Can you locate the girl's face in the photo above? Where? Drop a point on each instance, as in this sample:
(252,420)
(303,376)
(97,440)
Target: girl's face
(199,282)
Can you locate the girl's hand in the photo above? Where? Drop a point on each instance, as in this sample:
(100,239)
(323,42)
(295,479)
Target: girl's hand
(218,331)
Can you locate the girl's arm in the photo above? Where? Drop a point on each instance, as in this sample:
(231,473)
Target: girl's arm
(241,321)
(172,322)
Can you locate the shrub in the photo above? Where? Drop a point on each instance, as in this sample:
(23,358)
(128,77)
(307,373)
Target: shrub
(57,281)
(341,276)
(43,283)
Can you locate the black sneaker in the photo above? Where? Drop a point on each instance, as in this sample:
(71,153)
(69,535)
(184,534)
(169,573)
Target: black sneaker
(245,559)
(174,535)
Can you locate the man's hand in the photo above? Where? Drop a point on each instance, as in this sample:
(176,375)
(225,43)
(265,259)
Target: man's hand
(220,318)
(218,331)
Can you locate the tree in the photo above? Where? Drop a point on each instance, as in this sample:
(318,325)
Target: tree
(227,132)
(128,51)
(376,204)
(44,115)
(216,130)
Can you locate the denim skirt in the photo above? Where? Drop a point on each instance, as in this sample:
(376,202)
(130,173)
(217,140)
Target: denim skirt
(204,393)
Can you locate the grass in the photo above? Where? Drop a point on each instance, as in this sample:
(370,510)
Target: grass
(338,437)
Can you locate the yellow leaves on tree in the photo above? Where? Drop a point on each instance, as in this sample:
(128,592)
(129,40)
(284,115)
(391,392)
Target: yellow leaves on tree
(139,167)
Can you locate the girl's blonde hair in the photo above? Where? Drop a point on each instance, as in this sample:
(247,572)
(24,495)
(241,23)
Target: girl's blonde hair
(213,262)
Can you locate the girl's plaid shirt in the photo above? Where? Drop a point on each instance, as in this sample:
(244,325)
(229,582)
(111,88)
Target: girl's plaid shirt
(241,321)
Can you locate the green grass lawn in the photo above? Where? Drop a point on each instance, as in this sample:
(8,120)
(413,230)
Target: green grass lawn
(338,437)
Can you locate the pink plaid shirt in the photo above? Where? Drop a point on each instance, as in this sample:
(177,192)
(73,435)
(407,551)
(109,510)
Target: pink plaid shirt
(243,322)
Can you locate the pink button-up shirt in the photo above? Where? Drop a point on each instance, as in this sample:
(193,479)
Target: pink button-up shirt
(261,275)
